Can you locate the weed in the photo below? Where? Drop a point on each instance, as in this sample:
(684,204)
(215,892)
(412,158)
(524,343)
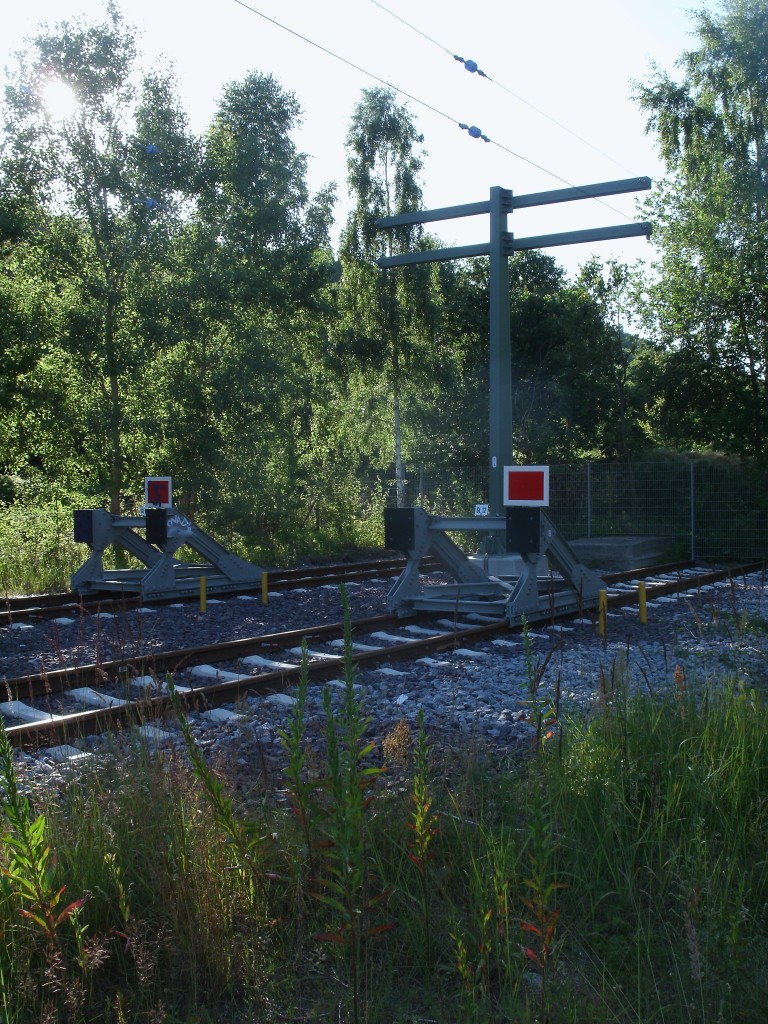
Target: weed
(424,827)
(242,833)
(348,883)
(636,862)
(544,711)
(300,791)
(31,868)
(472,959)
(542,913)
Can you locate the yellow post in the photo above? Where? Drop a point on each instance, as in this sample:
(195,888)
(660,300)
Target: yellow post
(203,583)
(641,603)
(602,612)
(264,589)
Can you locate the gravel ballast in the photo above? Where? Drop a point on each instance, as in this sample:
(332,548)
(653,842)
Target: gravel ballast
(480,695)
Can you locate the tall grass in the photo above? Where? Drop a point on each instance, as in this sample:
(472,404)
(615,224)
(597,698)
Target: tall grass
(37,549)
(618,877)
(664,823)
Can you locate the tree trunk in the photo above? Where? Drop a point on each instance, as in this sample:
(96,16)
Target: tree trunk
(399,468)
(115,442)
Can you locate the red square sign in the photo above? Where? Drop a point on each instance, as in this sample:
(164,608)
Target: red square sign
(158,491)
(526,485)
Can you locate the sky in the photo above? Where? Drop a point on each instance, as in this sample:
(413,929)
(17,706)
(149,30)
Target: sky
(557,103)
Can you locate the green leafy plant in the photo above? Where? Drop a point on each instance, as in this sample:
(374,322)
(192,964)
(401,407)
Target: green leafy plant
(348,884)
(423,826)
(242,833)
(472,961)
(31,867)
(543,710)
(300,790)
(542,914)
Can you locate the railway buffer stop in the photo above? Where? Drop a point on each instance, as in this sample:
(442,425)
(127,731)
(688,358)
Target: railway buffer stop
(165,529)
(514,520)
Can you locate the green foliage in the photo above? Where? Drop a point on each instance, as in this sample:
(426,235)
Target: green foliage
(31,886)
(543,708)
(541,914)
(110,177)
(621,880)
(706,307)
(349,888)
(424,827)
(386,319)
(37,552)
(567,365)
(170,303)
(665,825)
(243,837)
(30,873)
(144,275)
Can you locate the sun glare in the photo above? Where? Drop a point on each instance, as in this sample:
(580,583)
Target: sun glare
(60,100)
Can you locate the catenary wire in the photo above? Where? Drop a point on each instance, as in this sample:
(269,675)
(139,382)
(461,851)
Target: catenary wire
(472,67)
(472,130)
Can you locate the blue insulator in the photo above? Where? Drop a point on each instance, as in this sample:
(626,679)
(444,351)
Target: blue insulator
(470,65)
(151,204)
(151,149)
(474,132)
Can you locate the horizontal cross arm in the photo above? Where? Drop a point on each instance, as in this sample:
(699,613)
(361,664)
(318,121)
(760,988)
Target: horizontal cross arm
(512,202)
(511,244)
(566,195)
(425,216)
(586,235)
(458,252)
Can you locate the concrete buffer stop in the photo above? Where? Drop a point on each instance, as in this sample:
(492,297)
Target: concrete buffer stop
(518,532)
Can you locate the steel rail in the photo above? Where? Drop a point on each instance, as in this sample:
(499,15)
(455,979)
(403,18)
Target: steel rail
(68,727)
(44,606)
(685,583)
(37,684)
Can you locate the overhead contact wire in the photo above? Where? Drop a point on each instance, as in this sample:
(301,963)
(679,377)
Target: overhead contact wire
(472,67)
(472,130)
(349,63)
(476,133)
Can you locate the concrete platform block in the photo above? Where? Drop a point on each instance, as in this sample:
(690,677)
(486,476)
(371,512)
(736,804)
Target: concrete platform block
(620,552)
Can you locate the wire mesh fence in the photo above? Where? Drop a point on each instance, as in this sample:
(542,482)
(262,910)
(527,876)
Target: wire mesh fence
(713,510)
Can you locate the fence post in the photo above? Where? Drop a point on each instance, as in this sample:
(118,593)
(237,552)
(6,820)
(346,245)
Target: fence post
(421,484)
(693,516)
(589,500)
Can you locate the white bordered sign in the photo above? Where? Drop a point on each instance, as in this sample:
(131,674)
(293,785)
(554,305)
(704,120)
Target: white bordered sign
(158,491)
(526,485)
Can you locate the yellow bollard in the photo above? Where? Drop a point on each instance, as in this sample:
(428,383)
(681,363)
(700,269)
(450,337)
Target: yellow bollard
(602,612)
(641,604)
(203,583)
(264,589)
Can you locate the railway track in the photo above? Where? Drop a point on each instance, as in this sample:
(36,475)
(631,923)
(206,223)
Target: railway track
(59,708)
(49,606)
